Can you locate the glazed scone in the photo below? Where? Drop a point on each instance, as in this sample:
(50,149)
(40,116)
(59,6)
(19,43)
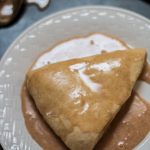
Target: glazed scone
(80,97)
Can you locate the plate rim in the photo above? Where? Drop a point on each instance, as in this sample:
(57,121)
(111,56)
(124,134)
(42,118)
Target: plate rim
(65,11)
(55,14)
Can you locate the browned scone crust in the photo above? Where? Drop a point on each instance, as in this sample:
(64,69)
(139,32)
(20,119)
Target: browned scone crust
(79,98)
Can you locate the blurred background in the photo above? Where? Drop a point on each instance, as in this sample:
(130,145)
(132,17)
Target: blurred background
(20,15)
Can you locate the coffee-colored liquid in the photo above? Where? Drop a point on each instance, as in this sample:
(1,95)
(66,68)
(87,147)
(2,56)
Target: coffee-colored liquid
(126,130)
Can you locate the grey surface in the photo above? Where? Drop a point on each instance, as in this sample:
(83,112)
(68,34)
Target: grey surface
(31,14)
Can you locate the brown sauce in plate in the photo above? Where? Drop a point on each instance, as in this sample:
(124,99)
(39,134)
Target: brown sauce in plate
(129,127)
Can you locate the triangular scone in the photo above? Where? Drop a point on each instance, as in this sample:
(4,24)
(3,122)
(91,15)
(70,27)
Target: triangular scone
(80,97)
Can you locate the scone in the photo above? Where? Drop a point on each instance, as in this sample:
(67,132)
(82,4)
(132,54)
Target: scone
(80,97)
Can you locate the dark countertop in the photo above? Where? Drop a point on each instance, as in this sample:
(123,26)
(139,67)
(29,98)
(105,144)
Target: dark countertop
(31,14)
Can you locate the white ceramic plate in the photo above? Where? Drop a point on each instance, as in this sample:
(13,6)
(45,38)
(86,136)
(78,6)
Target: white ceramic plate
(131,27)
